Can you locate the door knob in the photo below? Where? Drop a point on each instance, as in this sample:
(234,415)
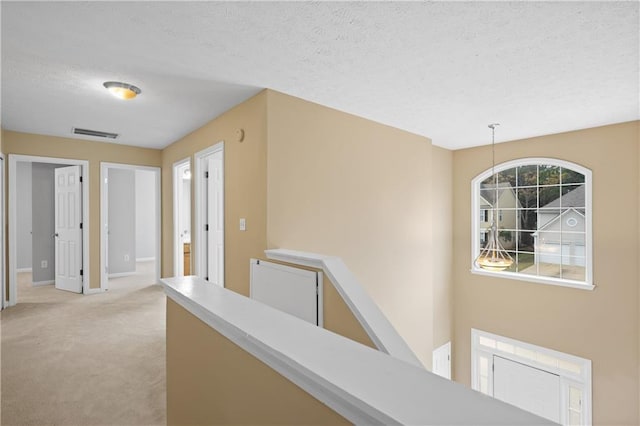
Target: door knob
(55,235)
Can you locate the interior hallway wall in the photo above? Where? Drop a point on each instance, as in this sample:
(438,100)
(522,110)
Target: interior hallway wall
(245,187)
(380,213)
(23,216)
(345,186)
(442,244)
(94,153)
(145,212)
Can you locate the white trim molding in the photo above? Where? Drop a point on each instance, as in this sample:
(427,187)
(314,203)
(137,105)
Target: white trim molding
(14,159)
(3,239)
(121,274)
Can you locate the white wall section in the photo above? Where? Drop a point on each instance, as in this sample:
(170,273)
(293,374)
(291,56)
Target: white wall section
(43,222)
(121,221)
(23,216)
(145,207)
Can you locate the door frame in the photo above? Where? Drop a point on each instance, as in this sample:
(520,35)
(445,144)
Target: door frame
(3,237)
(200,259)
(104,206)
(14,159)
(178,260)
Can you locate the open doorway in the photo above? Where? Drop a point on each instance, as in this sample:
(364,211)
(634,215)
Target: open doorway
(182,218)
(48,225)
(130,225)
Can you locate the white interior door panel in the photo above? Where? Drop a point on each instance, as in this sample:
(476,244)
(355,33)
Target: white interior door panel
(529,388)
(68,231)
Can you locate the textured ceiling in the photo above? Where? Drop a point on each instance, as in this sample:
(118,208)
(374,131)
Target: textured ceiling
(439,69)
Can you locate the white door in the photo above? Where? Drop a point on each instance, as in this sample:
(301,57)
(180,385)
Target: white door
(529,388)
(441,361)
(68,231)
(291,290)
(215,219)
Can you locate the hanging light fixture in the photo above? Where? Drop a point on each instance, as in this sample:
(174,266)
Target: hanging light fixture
(122,90)
(493,257)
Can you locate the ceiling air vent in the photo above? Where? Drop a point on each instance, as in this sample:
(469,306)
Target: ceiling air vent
(94,133)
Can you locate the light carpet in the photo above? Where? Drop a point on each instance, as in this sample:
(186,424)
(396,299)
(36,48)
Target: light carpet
(69,359)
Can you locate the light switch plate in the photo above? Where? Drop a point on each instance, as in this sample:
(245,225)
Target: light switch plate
(243,224)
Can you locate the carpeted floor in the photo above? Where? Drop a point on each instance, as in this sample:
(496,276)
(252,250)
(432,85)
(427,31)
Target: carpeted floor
(70,359)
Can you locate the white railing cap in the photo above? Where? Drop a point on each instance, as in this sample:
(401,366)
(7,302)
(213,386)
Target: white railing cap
(362,384)
(371,318)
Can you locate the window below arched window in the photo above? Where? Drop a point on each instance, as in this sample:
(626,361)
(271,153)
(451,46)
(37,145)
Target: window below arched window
(541,209)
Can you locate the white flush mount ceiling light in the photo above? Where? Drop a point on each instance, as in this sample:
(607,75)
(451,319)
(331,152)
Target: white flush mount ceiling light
(122,90)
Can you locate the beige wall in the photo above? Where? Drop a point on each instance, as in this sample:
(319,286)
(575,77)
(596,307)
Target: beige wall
(600,325)
(349,187)
(245,187)
(94,152)
(338,184)
(441,243)
(339,318)
(210,380)
(312,178)
(245,196)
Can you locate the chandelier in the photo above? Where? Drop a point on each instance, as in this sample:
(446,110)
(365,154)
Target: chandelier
(493,257)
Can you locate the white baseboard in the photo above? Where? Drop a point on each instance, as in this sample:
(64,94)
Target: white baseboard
(41,283)
(121,274)
(145,259)
(94,291)
(24,270)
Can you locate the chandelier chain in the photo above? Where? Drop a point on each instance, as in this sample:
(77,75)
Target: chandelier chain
(493,256)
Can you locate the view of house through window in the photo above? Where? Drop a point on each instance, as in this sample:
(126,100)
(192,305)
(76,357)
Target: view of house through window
(541,213)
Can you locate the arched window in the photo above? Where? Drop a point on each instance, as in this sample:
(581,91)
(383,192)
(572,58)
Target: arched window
(541,209)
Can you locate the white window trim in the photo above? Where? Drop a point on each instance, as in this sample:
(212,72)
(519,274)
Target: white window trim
(567,378)
(587,284)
